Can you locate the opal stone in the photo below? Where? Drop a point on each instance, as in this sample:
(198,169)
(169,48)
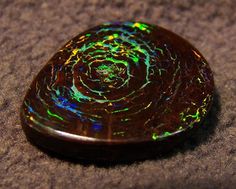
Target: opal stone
(121,90)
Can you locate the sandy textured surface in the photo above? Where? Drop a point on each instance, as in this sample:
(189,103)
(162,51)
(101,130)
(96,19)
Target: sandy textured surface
(31,31)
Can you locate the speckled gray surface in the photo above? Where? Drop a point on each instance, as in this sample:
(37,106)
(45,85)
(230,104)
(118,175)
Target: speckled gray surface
(31,31)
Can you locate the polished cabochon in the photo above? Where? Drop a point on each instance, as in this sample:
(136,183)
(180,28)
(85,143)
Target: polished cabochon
(118,91)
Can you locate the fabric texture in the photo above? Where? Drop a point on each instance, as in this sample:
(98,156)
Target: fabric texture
(32,31)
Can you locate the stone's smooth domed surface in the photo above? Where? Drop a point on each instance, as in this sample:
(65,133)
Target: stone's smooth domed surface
(116,90)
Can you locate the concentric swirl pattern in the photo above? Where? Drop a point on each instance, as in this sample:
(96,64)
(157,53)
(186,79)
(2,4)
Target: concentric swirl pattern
(123,80)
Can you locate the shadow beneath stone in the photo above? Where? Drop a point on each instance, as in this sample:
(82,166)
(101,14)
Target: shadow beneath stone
(195,137)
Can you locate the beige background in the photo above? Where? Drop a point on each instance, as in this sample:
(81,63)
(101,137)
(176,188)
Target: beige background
(32,31)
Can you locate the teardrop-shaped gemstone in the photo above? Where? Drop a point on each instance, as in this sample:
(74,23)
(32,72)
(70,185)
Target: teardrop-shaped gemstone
(121,90)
